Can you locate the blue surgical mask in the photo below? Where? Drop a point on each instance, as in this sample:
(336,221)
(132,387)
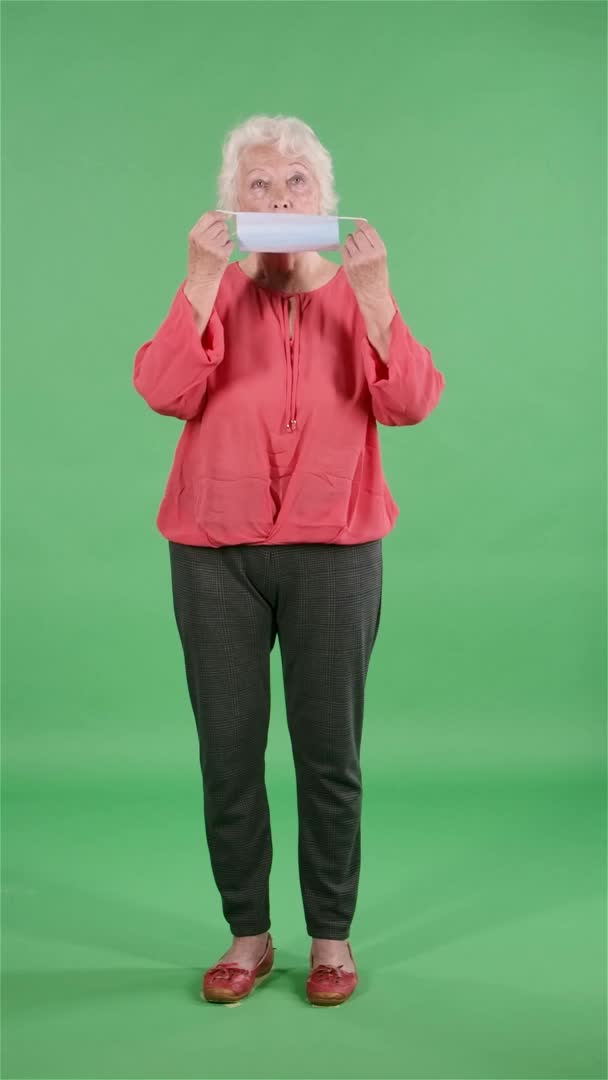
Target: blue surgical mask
(257,231)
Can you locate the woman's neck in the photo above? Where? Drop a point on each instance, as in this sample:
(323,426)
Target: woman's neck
(289,271)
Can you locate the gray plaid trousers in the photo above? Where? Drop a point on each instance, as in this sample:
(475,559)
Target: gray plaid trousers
(324,601)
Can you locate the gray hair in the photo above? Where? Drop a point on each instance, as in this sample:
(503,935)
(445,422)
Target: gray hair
(291,136)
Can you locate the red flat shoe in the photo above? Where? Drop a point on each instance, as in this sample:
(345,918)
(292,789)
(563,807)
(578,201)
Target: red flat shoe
(227,981)
(328,984)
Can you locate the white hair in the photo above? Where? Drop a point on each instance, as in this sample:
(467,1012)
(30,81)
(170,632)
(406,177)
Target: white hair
(291,136)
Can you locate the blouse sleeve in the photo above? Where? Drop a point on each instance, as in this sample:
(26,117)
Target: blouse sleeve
(171,371)
(406,388)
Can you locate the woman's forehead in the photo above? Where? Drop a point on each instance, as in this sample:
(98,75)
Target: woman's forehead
(264,155)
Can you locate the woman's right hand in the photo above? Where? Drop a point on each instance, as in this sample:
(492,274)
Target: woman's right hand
(209,248)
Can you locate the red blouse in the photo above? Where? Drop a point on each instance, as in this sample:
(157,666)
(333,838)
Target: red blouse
(280,444)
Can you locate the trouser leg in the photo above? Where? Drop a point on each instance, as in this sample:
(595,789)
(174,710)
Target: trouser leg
(225,617)
(328,614)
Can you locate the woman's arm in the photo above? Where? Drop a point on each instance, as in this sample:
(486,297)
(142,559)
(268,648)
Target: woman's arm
(404,384)
(202,299)
(171,370)
(378,318)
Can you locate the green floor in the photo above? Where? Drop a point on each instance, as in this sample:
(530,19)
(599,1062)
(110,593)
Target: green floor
(479,937)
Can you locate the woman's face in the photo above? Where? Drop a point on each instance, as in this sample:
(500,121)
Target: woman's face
(276,184)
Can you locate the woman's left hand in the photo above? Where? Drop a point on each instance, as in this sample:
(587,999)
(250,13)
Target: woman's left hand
(365,264)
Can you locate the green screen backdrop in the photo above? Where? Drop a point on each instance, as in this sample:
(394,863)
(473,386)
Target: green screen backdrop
(473,138)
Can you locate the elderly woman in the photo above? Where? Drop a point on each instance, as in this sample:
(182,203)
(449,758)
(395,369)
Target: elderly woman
(281,366)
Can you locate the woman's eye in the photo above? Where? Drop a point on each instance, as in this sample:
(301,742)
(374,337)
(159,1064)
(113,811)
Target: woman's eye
(297,177)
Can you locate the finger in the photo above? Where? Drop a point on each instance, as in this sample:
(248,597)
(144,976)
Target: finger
(215,230)
(363,224)
(366,227)
(360,242)
(214,220)
(365,242)
(213,217)
(369,233)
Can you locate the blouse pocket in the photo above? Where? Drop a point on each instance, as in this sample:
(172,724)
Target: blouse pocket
(322,497)
(225,508)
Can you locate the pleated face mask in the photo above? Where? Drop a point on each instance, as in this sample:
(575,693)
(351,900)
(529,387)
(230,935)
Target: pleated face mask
(257,231)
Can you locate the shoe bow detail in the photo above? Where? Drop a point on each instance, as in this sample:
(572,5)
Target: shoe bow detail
(329,972)
(225,972)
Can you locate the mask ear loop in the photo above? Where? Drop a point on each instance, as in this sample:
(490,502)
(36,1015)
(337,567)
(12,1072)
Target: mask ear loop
(231,223)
